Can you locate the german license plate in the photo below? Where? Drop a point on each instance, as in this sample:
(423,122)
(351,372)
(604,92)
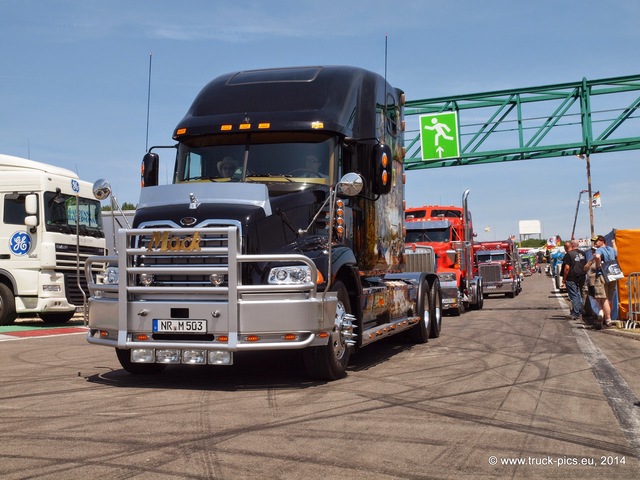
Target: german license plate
(179,326)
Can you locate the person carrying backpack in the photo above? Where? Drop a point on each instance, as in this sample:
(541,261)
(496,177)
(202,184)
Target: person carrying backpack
(605,253)
(573,276)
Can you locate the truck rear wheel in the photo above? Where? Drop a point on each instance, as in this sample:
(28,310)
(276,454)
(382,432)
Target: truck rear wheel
(435,310)
(124,357)
(7,305)
(329,362)
(420,332)
(53,318)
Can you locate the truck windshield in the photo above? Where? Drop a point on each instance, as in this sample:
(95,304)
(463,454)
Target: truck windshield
(271,157)
(428,235)
(491,257)
(60,214)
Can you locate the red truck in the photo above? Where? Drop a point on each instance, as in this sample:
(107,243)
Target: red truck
(499,265)
(449,231)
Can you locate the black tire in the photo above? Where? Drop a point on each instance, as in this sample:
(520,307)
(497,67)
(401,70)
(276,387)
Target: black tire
(124,357)
(329,362)
(510,294)
(7,305)
(435,310)
(480,297)
(479,303)
(420,332)
(54,318)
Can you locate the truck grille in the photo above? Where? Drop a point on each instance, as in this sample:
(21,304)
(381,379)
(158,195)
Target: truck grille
(66,263)
(214,248)
(421,260)
(490,272)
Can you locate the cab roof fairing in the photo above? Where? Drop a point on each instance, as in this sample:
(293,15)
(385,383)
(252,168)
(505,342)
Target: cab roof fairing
(339,97)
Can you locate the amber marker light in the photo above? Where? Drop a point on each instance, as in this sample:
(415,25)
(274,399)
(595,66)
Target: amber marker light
(222,338)
(104,333)
(385,177)
(323,335)
(181,131)
(142,337)
(226,128)
(245,126)
(264,125)
(290,336)
(316,125)
(319,278)
(252,338)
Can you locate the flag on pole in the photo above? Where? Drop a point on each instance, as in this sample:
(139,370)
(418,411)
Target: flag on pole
(595,202)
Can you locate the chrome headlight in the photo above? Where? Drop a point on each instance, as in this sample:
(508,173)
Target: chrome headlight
(146,279)
(290,275)
(111,276)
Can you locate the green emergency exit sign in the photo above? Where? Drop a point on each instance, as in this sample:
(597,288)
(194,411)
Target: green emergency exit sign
(439,136)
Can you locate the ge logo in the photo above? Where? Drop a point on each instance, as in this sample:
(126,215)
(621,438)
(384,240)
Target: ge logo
(20,243)
(75,186)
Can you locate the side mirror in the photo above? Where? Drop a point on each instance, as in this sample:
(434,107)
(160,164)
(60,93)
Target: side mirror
(351,184)
(382,170)
(101,189)
(31,221)
(149,170)
(31,204)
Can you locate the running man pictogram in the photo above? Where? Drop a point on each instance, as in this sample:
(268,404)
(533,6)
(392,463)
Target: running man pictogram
(440,129)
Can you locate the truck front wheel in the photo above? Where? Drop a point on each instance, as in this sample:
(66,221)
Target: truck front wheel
(124,357)
(329,362)
(7,305)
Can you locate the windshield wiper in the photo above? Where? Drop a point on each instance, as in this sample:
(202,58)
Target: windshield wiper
(211,179)
(271,175)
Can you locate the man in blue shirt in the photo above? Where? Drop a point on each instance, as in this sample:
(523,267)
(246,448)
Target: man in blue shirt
(605,253)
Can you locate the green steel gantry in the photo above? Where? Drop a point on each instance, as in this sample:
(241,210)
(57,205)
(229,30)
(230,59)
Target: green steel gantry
(581,118)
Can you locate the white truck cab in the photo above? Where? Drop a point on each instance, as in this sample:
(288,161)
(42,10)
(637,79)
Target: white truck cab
(50,224)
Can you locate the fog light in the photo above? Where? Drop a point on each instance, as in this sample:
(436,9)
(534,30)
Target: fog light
(220,357)
(146,279)
(194,356)
(110,276)
(142,355)
(216,279)
(168,356)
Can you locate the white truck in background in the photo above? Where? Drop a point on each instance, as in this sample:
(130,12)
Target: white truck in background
(42,245)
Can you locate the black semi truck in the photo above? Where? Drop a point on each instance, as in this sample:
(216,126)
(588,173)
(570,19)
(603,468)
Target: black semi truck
(283,228)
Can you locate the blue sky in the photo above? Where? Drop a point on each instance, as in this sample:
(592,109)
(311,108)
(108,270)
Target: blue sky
(74,77)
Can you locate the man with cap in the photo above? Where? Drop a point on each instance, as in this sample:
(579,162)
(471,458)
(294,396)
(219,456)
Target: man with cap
(227,167)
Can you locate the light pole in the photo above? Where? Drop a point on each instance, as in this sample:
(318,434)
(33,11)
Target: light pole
(583,157)
(573,230)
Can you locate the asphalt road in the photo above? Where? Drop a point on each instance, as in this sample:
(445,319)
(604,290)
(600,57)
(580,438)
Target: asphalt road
(516,390)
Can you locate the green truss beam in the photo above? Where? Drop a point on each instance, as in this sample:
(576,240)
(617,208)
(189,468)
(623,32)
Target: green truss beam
(581,118)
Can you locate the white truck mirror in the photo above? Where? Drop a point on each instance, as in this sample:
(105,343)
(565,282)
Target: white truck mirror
(31,204)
